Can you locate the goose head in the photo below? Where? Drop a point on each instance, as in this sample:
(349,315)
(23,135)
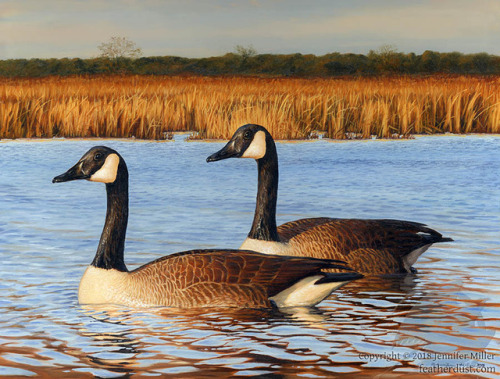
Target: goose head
(249,141)
(99,164)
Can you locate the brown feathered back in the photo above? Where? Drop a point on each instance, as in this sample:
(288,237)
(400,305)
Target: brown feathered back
(222,277)
(368,246)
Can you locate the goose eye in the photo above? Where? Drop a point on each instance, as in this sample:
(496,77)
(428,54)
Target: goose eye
(97,156)
(247,134)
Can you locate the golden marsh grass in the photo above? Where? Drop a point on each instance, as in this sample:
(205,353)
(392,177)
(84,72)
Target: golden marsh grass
(149,107)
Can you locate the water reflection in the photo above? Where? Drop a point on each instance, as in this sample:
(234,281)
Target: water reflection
(380,324)
(238,341)
(393,317)
(375,326)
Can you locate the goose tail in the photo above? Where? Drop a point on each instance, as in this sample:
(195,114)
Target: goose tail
(313,289)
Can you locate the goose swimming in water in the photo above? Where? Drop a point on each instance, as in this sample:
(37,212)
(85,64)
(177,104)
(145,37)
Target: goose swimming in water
(368,246)
(197,278)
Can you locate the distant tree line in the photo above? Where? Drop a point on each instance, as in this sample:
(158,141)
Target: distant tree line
(384,61)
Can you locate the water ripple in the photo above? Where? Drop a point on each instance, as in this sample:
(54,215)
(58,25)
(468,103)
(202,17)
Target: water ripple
(375,326)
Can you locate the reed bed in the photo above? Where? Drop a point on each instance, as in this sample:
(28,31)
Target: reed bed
(151,107)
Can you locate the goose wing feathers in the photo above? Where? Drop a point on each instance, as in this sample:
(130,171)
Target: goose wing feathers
(347,235)
(290,229)
(225,277)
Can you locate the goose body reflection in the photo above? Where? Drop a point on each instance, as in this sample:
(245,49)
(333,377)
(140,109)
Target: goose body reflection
(197,278)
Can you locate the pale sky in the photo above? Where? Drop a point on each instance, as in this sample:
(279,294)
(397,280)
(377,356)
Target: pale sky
(203,28)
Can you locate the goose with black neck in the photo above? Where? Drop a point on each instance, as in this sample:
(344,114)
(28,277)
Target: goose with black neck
(369,246)
(196,278)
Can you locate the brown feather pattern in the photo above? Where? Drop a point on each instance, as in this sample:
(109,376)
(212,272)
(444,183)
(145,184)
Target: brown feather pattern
(368,246)
(227,278)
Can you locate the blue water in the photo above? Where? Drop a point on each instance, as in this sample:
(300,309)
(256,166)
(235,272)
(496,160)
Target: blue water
(49,233)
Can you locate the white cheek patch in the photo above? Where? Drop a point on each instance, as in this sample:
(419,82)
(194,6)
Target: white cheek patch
(257,148)
(107,173)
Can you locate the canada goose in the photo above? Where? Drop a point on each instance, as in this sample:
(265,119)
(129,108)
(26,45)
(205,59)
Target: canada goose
(196,278)
(368,246)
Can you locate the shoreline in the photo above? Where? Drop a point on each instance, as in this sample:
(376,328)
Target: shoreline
(211,140)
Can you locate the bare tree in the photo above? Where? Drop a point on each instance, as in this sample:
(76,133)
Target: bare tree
(119,47)
(245,52)
(387,57)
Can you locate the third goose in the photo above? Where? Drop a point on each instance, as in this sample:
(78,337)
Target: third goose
(368,246)
(198,278)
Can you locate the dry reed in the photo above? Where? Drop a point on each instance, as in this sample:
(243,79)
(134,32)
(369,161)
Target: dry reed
(151,107)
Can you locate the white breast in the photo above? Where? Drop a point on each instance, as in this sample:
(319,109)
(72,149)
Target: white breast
(265,247)
(101,286)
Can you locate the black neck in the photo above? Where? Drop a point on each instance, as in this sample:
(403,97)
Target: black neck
(264,222)
(109,253)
